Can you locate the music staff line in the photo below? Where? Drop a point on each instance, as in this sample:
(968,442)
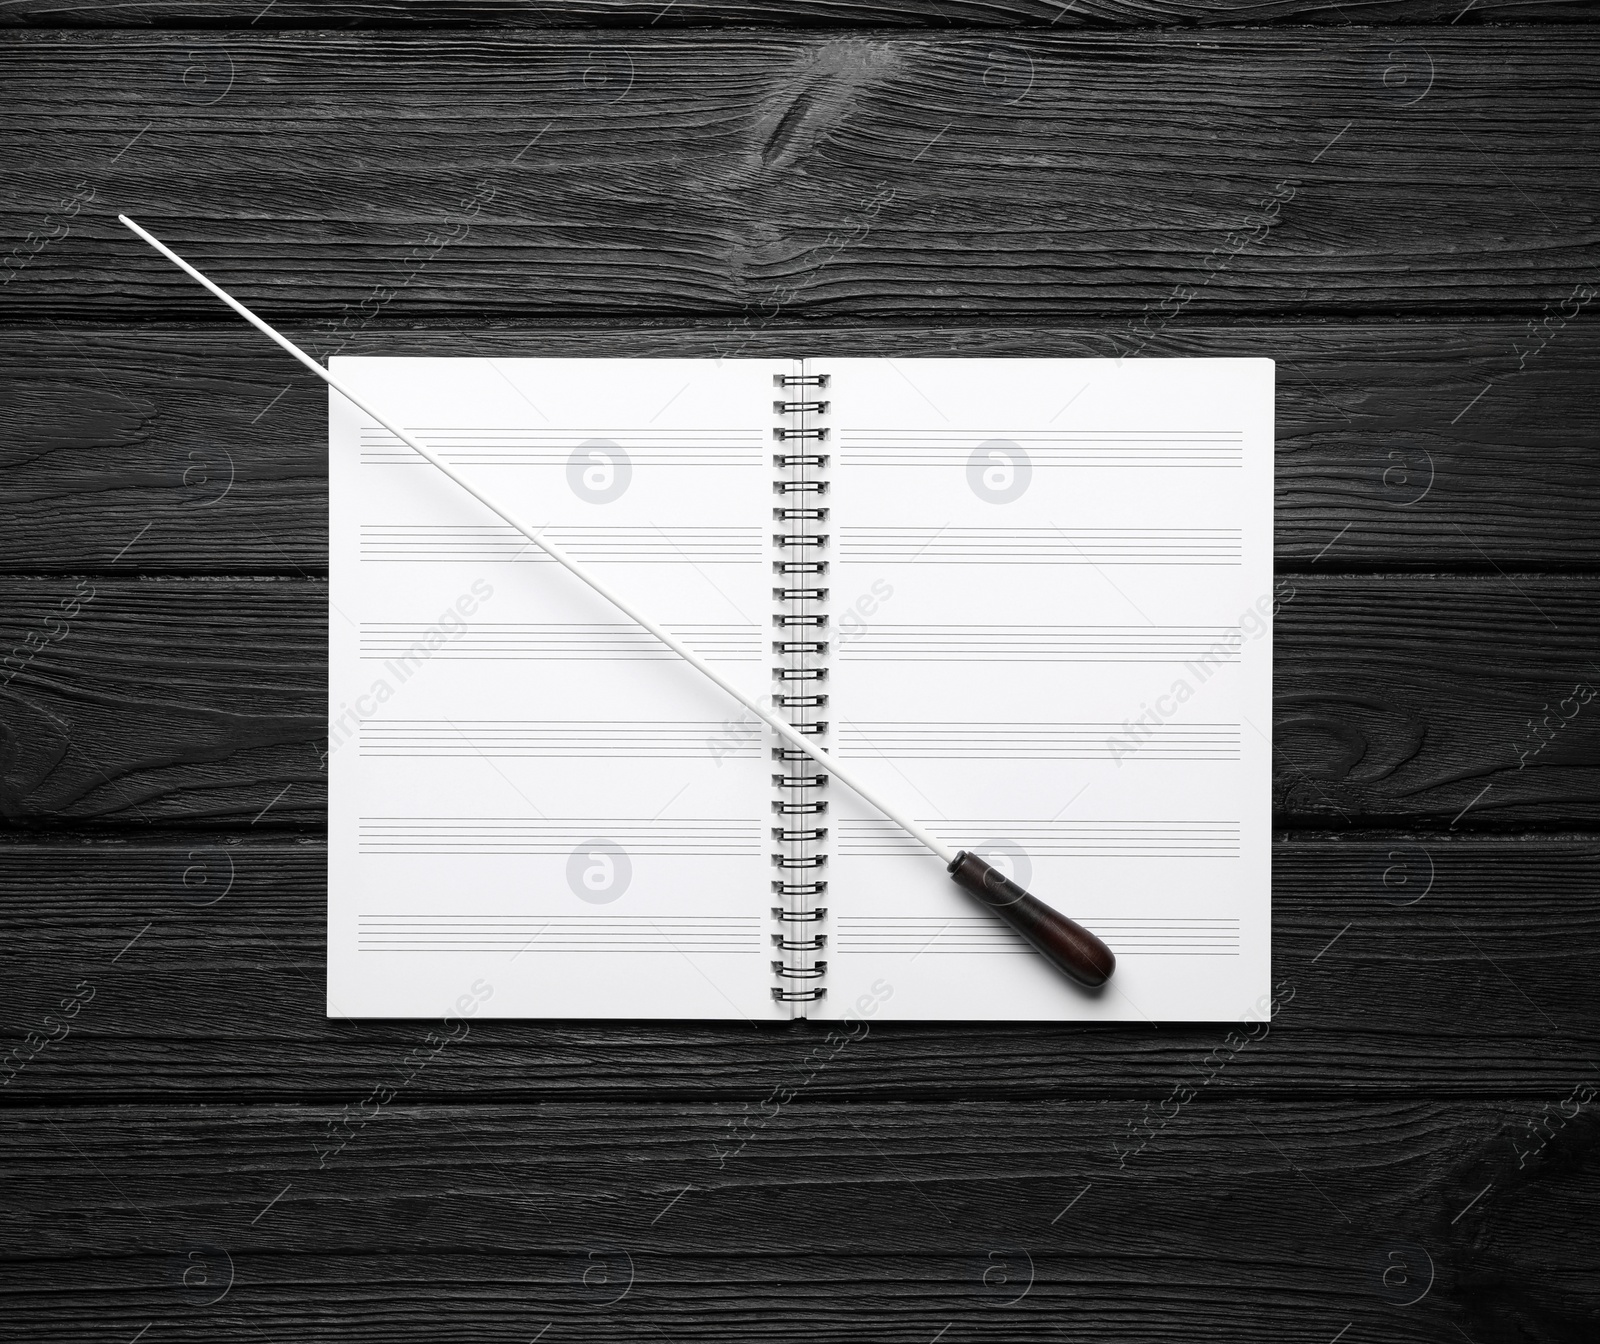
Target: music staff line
(924,740)
(683,739)
(885,641)
(522,447)
(700,837)
(903,935)
(609,934)
(1044,448)
(396,542)
(1099,838)
(615,641)
(881,642)
(709,739)
(1040,546)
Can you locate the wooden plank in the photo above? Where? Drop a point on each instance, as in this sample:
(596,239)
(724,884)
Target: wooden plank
(1415,445)
(204,956)
(850,1221)
(151,701)
(380,14)
(1447,702)
(739,173)
(1399,698)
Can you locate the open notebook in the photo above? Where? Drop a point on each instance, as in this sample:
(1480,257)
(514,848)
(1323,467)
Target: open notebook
(1029,599)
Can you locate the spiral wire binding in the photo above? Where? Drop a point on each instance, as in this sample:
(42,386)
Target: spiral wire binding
(800,672)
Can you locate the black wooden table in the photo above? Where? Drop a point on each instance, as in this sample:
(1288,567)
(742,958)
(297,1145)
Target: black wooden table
(1408,1154)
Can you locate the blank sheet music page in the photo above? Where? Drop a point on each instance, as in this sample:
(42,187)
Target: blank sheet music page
(535,808)
(1051,596)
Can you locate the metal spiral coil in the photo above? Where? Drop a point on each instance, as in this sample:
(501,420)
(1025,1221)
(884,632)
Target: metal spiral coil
(801,621)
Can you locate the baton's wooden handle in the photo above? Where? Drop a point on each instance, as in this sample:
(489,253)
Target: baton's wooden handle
(1066,945)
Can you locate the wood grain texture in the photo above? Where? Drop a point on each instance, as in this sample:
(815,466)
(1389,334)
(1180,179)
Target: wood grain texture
(199,1157)
(1391,453)
(1400,700)
(1451,728)
(816,175)
(1445,965)
(1249,1221)
(153,702)
(969,14)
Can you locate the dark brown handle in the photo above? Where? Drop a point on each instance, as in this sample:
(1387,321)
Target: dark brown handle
(1066,945)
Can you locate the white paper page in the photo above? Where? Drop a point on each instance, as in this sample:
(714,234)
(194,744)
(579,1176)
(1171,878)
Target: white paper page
(1027,557)
(535,809)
